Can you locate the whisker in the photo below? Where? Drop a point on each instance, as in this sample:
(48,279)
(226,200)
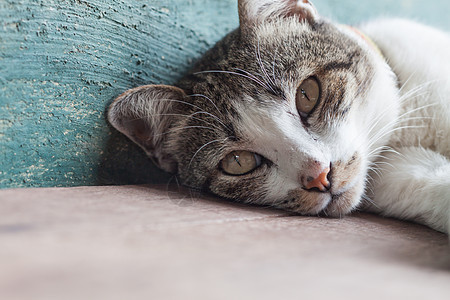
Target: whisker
(201,111)
(266,77)
(233,73)
(213,116)
(368,187)
(254,77)
(384,132)
(407,81)
(186,116)
(274,62)
(202,147)
(393,130)
(384,149)
(185,127)
(374,170)
(177,197)
(366,198)
(207,98)
(381,163)
(403,98)
(182,102)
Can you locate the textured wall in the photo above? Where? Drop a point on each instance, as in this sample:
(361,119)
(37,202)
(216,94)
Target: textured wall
(63,62)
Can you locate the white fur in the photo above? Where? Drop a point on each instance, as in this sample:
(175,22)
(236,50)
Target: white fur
(415,185)
(415,182)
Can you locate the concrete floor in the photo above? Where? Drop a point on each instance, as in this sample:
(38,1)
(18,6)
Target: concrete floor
(146,242)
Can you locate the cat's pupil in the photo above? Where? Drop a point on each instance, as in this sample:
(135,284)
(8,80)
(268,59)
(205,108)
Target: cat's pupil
(236,158)
(305,94)
(308,94)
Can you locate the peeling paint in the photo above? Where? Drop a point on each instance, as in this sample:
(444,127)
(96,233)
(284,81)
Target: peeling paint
(63,62)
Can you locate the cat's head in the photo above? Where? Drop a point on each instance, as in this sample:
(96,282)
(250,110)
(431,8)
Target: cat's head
(289,110)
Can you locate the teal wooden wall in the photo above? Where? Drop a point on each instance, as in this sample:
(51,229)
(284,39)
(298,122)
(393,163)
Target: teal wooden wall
(63,62)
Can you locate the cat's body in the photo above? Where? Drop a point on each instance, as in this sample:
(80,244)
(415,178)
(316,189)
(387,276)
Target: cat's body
(295,112)
(416,184)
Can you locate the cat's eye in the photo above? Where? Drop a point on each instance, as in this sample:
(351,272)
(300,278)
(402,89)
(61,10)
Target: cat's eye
(240,162)
(308,94)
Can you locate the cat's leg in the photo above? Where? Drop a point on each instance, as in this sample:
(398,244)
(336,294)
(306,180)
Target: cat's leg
(413,184)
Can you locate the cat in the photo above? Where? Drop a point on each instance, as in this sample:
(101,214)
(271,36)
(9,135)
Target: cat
(293,111)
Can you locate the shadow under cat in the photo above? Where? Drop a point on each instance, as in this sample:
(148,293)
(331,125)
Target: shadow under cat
(123,162)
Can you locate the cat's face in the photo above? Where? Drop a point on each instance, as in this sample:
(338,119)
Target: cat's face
(287,111)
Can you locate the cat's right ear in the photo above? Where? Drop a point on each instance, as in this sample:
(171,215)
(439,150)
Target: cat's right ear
(145,114)
(256,11)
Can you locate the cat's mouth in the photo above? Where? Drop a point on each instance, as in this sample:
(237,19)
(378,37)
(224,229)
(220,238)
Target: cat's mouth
(333,208)
(334,203)
(347,188)
(343,202)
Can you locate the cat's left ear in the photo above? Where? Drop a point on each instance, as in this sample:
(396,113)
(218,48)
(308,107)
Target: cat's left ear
(256,11)
(145,115)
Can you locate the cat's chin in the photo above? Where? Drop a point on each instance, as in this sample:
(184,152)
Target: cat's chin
(343,203)
(328,204)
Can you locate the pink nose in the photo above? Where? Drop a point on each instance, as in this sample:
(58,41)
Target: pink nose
(321,182)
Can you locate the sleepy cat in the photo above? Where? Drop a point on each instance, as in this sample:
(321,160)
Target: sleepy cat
(295,112)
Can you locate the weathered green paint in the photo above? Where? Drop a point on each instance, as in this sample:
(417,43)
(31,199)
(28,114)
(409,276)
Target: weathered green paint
(62,63)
